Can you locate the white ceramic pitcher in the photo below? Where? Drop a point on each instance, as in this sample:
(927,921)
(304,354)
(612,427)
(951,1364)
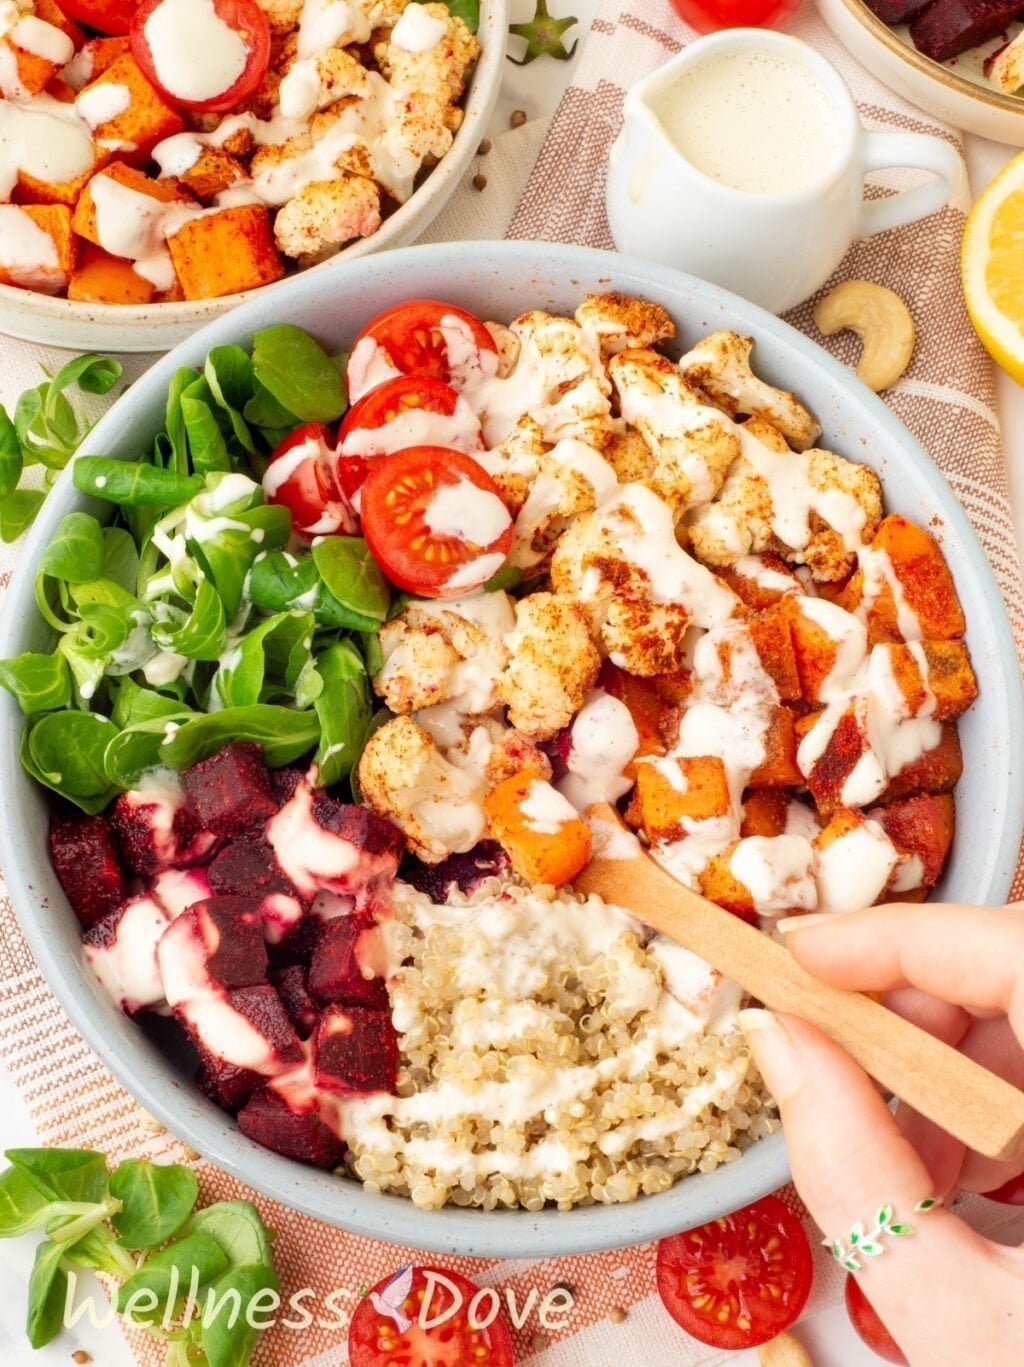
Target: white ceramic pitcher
(774,249)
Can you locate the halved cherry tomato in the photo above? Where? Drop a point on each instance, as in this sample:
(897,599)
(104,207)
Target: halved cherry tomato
(1011,1193)
(864,1319)
(434,521)
(708,15)
(299,477)
(383,1331)
(169,45)
(106,16)
(422,337)
(740,1280)
(410,410)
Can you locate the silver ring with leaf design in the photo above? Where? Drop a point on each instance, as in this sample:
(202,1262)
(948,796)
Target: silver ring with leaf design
(864,1242)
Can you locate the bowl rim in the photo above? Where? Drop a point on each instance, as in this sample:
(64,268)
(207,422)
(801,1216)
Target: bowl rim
(127,1053)
(408,220)
(927,66)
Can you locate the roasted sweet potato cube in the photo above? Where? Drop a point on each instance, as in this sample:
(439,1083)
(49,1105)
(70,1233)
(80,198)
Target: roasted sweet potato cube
(921,826)
(935,677)
(912,570)
(83,220)
(832,744)
(671,791)
(48,227)
(99,52)
(936,771)
(34,72)
(779,768)
(760,581)
(672,688)
(99,278)
(51,13)
(544,837)
(212,172)
(146,119)
(764,812)
(720,886)
(33,189)
(828,645)
(646,707)
(772,637)
(856,862)
(224,252)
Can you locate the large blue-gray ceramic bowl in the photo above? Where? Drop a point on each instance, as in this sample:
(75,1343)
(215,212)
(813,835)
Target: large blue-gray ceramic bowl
(501,280)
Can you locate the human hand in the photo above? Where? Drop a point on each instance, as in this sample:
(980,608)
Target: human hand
(947,1295)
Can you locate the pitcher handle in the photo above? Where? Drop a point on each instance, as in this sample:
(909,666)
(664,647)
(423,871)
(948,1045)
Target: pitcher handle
(882,151)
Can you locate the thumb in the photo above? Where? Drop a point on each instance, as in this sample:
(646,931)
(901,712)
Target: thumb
(849,1160)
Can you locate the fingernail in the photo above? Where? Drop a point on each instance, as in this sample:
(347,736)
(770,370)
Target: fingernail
(815,918)
(773,1050)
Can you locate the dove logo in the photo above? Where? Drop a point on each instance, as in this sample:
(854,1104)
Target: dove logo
(390,1299)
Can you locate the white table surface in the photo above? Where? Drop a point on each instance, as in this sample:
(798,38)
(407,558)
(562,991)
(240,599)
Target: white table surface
(828,1337)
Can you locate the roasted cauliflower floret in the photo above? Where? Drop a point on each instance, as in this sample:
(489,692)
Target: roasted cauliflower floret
(435,653)
(559,379)
(313,83)
(737,523)
(638,586)
(720,366)
(440,68)
(282,15)
(572,478)
(404,777)
(828,553)
(620,321)
(514,463)
(841,508)
(552,667)
(325,215)
(692,444)
(629,456)
(484,747)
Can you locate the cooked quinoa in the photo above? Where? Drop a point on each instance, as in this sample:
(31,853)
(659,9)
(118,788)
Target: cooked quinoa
(543,1060)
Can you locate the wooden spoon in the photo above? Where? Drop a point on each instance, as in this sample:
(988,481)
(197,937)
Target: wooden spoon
(975,1106)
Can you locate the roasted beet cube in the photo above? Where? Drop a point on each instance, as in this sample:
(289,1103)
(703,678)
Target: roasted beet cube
(267,1119)
(230,792)
(178,889)
(366,830)
(262,1007)
(348,963)
(461,872)
(155,828)
(249,868)
(292,984)
(121,951)
(948,27)
(322,844)
(284,782)
(355,1050)
(897,11)
(227,936)
(87,866)
(225,1083)
(921,826)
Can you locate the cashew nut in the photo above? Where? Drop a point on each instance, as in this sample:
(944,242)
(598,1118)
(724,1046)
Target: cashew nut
(784,1351)
(880,319)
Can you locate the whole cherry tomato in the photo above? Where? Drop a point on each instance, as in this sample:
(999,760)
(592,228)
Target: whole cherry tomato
(708,15)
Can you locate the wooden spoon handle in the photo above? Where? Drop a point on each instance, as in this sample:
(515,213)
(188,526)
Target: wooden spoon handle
(980,1109)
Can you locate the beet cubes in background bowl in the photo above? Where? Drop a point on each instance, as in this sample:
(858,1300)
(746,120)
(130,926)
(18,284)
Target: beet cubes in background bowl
(246,906)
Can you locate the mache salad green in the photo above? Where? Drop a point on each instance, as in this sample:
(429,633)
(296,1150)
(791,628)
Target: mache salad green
(188,618)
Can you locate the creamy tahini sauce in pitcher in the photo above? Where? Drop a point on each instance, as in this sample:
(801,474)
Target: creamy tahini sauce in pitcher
(755,121)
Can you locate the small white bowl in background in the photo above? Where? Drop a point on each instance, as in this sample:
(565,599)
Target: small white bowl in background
(35,317)
(958,93)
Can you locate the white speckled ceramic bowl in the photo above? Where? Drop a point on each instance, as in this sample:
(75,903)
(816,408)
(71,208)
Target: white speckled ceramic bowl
(501,280)
(157,327)
(957,92)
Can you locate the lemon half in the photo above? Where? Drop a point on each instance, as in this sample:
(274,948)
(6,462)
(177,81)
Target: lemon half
(992,263)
